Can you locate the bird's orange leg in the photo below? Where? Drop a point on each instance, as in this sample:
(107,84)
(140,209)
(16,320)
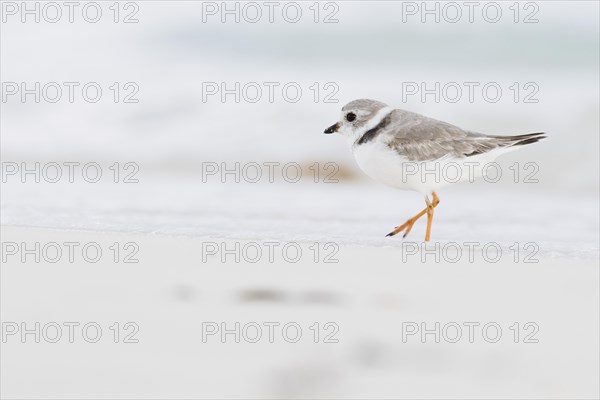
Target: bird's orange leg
(407,226)
(430,206)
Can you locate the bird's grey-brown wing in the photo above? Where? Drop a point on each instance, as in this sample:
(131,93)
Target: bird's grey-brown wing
(419,138)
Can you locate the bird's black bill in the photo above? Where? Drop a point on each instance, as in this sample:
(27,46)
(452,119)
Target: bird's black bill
(333,128)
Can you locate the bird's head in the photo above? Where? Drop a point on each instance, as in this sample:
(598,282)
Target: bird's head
(358,117)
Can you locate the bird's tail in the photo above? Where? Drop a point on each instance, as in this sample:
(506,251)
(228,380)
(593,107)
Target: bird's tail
(520,140)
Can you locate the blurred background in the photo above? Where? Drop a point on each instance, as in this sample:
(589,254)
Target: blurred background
(176,126)
(170,57)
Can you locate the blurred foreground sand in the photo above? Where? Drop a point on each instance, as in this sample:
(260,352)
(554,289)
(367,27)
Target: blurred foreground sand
(368,295)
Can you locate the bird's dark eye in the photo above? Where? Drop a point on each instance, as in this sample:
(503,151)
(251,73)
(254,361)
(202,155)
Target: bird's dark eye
(350,117)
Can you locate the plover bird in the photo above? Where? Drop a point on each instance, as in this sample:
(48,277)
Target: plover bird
(406,150)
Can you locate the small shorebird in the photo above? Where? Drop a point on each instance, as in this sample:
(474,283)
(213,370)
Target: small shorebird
(406,150)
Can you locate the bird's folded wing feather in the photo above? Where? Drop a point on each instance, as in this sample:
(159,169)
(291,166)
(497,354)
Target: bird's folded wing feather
(419,138)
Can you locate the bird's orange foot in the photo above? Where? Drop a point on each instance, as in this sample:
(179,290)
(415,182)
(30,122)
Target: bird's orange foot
(406,227)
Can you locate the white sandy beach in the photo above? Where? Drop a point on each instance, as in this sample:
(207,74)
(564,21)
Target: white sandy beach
(368,294)
(281,289)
